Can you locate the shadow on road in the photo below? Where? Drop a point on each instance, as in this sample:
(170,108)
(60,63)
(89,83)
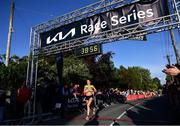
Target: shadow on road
(94,120)
(153,112)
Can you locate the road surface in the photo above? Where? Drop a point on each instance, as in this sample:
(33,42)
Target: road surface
(150,111)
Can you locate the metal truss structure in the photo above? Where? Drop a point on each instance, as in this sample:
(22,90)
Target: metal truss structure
(160,24)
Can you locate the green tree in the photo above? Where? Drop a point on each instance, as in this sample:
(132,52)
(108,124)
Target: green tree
(135,78)
(106,69)
(122,74)
(74,70)
(13,75)
(102,70)
(99,68)
(157,82)
(46,71)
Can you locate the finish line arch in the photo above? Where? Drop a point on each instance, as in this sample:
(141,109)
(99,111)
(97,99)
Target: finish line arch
(99,23)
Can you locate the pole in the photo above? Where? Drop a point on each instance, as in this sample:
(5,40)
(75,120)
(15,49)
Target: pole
(59,65)
(28,75)
(168,59)
(176,9)
(10,32)
(175,47)
(177,12)
(35,87)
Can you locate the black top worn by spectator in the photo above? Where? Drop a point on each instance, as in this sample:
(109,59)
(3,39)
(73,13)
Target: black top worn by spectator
(64,90)
(2,98)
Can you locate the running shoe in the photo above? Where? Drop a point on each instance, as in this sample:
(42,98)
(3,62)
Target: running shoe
(87,118)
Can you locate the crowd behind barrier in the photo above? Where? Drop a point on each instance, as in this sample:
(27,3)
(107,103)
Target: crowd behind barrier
(61,99)
(101,99)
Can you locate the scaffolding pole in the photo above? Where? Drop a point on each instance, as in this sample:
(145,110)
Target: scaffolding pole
(10,33)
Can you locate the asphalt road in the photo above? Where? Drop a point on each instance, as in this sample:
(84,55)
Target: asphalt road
(150,111)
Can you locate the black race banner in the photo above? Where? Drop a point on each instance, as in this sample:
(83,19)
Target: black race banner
(123,16)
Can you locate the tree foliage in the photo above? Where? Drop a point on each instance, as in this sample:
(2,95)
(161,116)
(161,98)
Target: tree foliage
(100,69)
(13,75)
(46,71)
(74,70)
(138,78)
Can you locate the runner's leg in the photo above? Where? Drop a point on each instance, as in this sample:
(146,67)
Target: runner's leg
(88,107)
(87,110)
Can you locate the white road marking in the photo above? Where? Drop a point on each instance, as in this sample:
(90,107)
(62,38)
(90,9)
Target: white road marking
(119,117)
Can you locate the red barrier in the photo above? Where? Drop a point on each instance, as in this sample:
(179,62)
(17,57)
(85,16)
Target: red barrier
(132,97)
(135,97)
(140,96)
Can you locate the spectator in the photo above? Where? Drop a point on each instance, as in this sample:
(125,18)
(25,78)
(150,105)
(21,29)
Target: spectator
(2,104)
(65,90)
(40,92)
(51,95)
(13,103)
(23,95)
(76,90)
(172,70)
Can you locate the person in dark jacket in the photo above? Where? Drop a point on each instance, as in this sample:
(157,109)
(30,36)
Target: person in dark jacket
(173,86)
(2,104)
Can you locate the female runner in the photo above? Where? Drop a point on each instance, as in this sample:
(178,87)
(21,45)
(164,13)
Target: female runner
(89,91)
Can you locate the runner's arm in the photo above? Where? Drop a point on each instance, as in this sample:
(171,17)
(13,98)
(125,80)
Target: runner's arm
(85,90)
(94,89)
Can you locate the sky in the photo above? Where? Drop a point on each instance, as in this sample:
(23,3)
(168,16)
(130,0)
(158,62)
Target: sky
(149,54)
